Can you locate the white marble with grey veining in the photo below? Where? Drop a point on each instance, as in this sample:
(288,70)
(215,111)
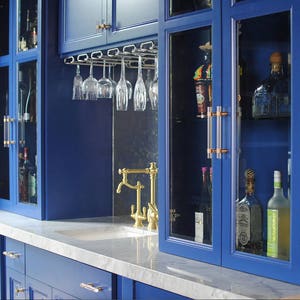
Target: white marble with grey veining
(138,258)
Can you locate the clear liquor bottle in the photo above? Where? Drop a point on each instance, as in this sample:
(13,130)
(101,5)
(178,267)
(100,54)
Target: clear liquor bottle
(271,99)
(278,224)
(249,219)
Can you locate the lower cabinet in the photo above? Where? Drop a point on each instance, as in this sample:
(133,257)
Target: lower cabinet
(33,273)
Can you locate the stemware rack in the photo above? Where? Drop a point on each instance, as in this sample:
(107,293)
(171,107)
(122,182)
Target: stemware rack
(112,57)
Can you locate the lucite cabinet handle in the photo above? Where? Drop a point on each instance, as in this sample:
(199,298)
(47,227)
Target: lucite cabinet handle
(218,150)
(6,134)
(11,254)
(91,287)
(5,137)
(220,114)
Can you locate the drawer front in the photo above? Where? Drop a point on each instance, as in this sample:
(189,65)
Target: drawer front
(14,255)
(74,278)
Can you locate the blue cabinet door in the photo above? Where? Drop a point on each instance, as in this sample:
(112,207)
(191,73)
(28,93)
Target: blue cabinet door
(37,290)
(15,284)
(79,21)
(132,19)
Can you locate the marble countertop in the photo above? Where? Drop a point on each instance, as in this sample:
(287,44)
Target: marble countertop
(138,258)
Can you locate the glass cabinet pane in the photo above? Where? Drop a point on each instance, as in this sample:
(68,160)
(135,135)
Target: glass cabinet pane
(27,135)
(4,25)
(179,7)
(263,139)
(27,25)
(190,168)
(4,134)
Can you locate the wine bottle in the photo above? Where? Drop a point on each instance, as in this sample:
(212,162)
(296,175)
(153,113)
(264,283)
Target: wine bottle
(23,176)
(249,218)
(278,223)
(271,99)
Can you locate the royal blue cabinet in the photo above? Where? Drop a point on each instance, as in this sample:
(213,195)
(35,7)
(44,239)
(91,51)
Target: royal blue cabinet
(215,56)
(68,143)
(105,22)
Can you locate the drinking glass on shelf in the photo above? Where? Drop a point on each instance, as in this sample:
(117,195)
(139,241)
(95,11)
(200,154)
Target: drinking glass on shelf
(140,95)
(153,89)
(77,85)
(105,86)
(122,90)
(90,86)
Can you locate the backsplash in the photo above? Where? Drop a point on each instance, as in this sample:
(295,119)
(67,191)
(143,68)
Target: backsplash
(135,145)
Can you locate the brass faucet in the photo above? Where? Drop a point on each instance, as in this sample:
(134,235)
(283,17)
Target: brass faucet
(138,216)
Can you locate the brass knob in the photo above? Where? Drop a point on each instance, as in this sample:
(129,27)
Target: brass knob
(103,26)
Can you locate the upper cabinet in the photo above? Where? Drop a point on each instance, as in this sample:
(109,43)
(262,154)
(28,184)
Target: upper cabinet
(228,134)
(52,156)
(96,23)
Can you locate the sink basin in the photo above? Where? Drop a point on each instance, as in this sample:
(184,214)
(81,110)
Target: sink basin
(105,232)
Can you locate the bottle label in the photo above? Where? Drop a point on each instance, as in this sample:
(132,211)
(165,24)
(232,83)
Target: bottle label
(243,224)
(272,237)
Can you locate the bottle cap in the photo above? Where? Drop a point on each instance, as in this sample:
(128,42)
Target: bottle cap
(276,58)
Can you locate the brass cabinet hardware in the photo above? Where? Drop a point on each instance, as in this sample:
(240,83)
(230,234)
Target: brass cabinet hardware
(103,26)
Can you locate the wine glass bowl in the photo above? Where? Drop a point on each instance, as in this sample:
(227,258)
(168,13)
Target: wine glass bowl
(77,85)
(90,86)
(105,86)
(122,90)
(153,88)
(140,94)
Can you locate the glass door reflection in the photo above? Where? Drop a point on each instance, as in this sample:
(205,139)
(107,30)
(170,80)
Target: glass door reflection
(180,7)
(27,135)
(264,124)
(190,168)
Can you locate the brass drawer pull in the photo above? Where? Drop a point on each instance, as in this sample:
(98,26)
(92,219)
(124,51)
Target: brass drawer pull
(91,287)
(19,290)
(11,254)
(103,26)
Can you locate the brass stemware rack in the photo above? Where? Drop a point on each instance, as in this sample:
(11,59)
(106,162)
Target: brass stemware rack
(112,57)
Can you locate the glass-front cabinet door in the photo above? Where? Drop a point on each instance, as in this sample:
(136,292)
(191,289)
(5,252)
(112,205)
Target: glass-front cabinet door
(4,23)
(229,131)
(261,90)
(189,132)
(27,133)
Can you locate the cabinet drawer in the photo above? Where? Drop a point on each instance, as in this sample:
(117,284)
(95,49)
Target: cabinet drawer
(14,255)
(68,275)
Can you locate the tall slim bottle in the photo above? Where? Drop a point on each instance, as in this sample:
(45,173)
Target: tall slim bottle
(249,218)
(278,224)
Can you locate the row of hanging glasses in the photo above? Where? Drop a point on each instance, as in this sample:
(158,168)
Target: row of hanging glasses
(141,58)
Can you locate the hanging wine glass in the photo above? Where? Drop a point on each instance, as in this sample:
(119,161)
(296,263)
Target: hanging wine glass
(140,95)
(90,86)
(153,89)
(77,85)
(147,83)
(105,86)
(114,84)
(122,90)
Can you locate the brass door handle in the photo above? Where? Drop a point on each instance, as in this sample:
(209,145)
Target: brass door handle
(103,26)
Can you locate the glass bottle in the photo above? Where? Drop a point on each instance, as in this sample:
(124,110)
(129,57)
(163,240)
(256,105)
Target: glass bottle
(271,99)
(249,218)
(203,78)
(278,223)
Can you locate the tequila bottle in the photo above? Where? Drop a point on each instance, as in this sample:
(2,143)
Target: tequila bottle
(249,219)
(271,99)
(203,79)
